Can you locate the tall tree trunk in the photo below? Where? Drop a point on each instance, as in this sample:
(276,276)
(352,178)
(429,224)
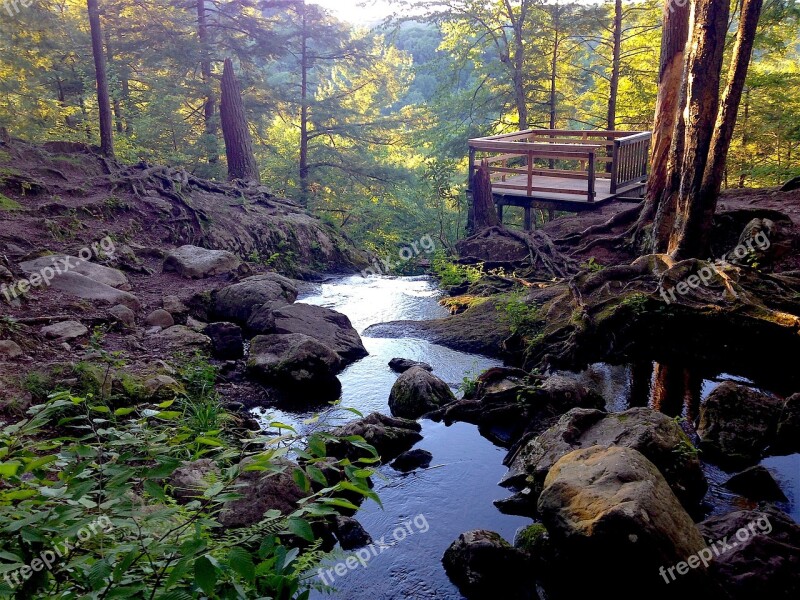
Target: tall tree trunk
(698,201)
(103,101)
(304,107)
(554,66)
(611,119)
(746,136)
(115,102)
(674,34)
(484,211)
(238,143)
(210,102)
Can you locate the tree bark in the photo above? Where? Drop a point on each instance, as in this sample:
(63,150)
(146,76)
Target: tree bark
(304,107)
(484,211)
(675,33)
(210,102)
(698,201)
(611,119)
(101,76)
(554,67)
(238,143)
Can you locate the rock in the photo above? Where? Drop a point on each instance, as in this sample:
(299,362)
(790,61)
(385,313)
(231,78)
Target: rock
(787,436)
(295,360)
(5,274)
(181,337)
(236,303)
(756,483)
(351,534)
(10,349)
(417,392)
(193,262)
(659,438)
(791,185)
(413,459)
(483,565)
(80,286)
(260,493)
(123,315)
(162,388)
(196,325)
(261,321)
(226,340)
(533,540)
(401,365)
(765,563)
(611,511)
(328,326)
(174,306)
(159,318)
(388,435)
(737,424)
(51,265)
(510,405)
(65,331)
(192,479)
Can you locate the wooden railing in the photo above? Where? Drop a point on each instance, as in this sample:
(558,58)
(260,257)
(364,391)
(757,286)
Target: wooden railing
(567,154)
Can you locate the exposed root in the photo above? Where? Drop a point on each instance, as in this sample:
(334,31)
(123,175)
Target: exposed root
(624,217)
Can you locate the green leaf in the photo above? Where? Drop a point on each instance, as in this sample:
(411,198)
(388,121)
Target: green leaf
(40,462)
(205,574)
(124,412)
(100,409)
(155,490)
(10,468)
(209,442)
(339,502)
(242,563)
(301,480)
(301,528)
(317,475)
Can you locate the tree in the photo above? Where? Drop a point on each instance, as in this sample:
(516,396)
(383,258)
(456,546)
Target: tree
(103,100)
(235,129)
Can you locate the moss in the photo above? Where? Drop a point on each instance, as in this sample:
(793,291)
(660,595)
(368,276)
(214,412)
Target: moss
(8,204)
(459,304)
(532,539)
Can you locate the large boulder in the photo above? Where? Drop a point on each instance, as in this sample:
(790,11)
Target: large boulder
(193,262)
(737,423)
(236,303)
(610,510)
(180,337)
(389,436)
(760,554)
(483,565)
(226,340)
(328,326)
(10,349)
(417,392)
(294,360)
(659,438)
(85,288)
(65,331)
(62,264)
(401,365)
(261,492)
(756,483)
(190,481)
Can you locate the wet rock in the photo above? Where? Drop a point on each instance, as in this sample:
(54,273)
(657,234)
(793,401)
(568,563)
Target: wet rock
(389,436)
(226,340)
(261,321)
(49,266)
(534,541)
(763,564)
(159,318)
(659,438)
(756,483)
(193,262)
(236,303)
(328,326)
(189,482)
(260,493)
(483,565)
(80,286)
(787,437)
(181,337)
(123,315)
(737,424)
(413,459)
(417,392)
(350,533)
(294,359)
(65,331)
(401,365)
(10,349)
(611,511)
(162,388)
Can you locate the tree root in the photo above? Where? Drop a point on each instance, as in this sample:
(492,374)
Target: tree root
(624,217)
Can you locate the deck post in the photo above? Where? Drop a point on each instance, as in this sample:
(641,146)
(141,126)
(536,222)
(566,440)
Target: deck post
(528,219)
(471,168)
(500,212)
(614,167)
(592,174)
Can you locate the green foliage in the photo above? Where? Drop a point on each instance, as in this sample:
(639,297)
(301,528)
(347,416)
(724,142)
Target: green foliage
(451,274)
(523,317)
(592,265)
(8,204)
(76,471)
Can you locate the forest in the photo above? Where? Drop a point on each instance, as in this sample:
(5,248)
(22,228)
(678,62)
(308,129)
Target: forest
(399,299)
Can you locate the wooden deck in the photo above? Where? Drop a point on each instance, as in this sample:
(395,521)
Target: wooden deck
(562,170)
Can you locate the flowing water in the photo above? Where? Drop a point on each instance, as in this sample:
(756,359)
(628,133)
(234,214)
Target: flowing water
(456,494)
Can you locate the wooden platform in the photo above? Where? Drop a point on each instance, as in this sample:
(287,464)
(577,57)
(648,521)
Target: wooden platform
(573,199)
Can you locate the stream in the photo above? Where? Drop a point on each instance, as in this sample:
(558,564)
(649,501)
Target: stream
(456,493)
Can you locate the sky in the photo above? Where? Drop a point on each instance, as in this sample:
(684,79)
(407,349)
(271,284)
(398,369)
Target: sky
(358,12)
